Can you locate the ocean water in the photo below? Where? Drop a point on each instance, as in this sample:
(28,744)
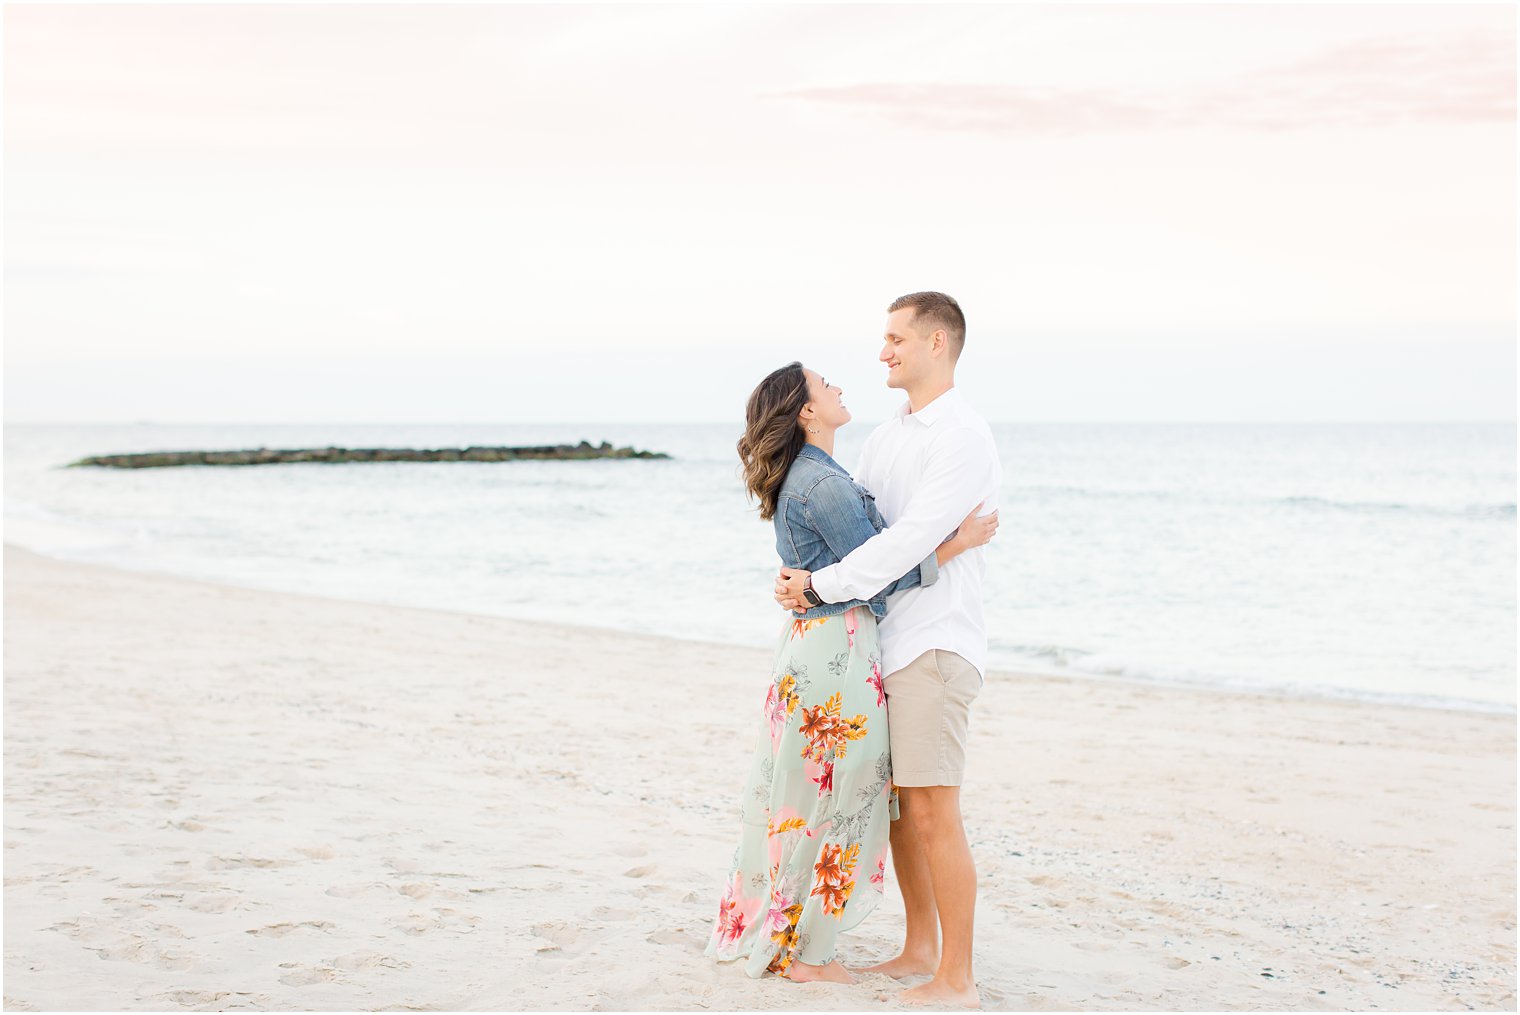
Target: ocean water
(1372,561)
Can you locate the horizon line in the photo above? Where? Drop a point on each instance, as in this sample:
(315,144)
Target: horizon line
(732,422)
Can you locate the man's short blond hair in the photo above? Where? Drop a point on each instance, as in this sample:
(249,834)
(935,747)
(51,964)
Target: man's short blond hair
(932,311)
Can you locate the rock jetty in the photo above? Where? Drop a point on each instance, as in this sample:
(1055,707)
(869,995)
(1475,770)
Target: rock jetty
(283,456)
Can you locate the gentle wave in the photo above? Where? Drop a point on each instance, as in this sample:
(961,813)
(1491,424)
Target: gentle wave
(1476,511)
(1068,661)
(1504,510)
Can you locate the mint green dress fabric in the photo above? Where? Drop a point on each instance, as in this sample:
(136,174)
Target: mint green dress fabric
(818,803)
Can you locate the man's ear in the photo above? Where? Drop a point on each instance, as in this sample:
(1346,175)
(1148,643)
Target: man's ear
(939,341)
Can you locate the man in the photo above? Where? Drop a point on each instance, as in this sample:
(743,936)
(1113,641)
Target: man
(927,467)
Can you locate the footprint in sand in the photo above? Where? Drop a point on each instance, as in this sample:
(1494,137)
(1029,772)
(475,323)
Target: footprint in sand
(640,872)
(650,891)
(368,960)
(163,930)
(415,923)
(362,888)
(281,929)
(608,913)
(671,936)
(317,852)
(220,863)
(214,903)
(192,998)
(557,934)
(305,976)
(1093,946)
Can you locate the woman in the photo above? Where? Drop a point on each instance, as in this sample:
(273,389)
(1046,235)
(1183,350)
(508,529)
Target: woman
(819,798)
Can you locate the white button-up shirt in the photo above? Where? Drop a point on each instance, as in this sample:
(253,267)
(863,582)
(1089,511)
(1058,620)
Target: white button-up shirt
(927,470)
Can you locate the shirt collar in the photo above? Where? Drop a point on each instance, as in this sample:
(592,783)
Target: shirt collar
(934,411)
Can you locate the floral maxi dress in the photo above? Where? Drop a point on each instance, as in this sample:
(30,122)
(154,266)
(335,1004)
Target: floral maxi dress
(818,802)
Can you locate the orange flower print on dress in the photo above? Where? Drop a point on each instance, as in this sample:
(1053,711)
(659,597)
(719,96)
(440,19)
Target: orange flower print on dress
(785,938)
(801,627)
(787,690)
(816,799)
(836,876)
(789,825)
(828,732)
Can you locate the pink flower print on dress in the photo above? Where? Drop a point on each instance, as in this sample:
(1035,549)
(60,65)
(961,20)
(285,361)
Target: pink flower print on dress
(778,918)
(851,624)
(824,777)
(880,877)
(775,713)
(731,921)
(875,681)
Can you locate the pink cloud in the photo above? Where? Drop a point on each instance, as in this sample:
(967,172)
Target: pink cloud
(1452,80)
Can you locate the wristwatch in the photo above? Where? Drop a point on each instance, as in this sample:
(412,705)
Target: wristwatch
(809,594)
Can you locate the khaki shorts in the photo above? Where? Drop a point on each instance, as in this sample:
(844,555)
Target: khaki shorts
(928,709)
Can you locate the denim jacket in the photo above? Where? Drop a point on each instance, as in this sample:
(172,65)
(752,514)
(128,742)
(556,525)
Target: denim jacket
(821,515)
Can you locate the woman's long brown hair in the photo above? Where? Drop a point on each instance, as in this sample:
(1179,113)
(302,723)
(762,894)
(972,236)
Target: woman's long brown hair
(772,434)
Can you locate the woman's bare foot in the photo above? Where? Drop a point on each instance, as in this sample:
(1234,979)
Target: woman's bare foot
(938,991)
(831,973)
(906,965)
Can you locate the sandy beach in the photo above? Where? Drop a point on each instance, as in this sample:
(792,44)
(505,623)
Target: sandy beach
(222,798)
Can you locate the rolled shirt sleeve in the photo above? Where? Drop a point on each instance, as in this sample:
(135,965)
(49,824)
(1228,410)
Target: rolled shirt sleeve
(926,573)
(958,474)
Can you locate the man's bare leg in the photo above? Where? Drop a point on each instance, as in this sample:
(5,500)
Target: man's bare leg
(920,950)
(952,873)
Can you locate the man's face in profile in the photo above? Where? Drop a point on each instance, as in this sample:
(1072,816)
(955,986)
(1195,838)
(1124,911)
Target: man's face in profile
(905,349)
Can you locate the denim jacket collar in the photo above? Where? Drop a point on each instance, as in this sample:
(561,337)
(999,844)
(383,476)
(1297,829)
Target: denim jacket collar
(817,454)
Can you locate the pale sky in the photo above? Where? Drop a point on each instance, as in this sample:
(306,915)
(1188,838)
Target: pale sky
(589,213)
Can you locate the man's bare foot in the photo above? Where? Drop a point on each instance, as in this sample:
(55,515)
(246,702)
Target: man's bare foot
(831,973)
(905,965)
(938,991)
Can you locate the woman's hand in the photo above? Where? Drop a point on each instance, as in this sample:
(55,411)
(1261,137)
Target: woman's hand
(789,586)
(972,532)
